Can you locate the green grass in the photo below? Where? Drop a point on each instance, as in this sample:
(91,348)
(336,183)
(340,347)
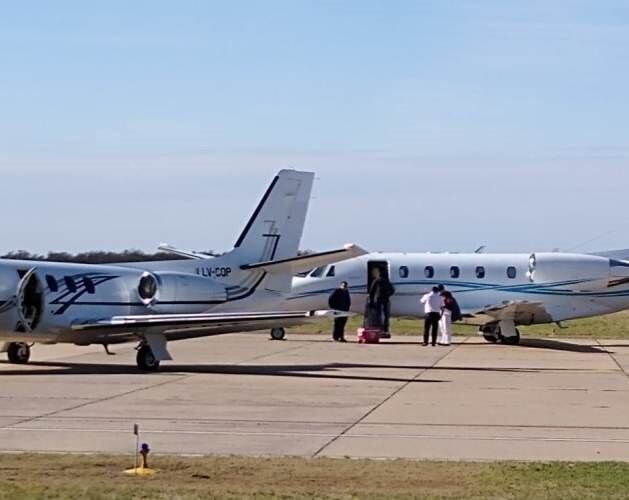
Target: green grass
(613,326)
(100,477)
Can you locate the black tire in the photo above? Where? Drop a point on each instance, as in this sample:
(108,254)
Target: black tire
(515,340)
(278,334)
(19,353)
(145,359)
(492,339)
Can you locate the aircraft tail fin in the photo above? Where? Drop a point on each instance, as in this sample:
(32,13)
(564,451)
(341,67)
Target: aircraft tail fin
(276,226)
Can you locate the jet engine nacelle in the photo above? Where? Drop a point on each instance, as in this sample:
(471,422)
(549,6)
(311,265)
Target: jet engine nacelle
(570,271)
(22,302)
(174,293)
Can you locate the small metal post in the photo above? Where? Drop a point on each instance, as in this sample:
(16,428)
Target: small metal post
(136,432)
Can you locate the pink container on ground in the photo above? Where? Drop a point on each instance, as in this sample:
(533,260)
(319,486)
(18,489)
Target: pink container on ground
(369,335)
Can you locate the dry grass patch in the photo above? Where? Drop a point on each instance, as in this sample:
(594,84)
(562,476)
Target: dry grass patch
(100,477)
(612,326)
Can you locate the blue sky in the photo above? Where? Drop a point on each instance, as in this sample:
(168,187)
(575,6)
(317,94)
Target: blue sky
(125,124)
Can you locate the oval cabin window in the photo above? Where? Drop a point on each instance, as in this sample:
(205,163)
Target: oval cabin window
(455,272)
(52,283)
(404,272)
(70,284)
(512,272)
(429,272)
(480,272)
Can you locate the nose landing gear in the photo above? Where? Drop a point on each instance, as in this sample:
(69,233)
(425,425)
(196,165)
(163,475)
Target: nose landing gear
(492,333)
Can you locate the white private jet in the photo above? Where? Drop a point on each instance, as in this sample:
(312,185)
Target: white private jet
(498,292)
(155,302)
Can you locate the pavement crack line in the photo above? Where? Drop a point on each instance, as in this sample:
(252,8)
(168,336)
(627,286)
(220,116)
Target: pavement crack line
(399,389)
(177,378)
(616,362)
(96,401)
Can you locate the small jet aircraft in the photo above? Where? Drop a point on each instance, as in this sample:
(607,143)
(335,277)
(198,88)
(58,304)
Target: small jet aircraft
(498,292)
(155,302)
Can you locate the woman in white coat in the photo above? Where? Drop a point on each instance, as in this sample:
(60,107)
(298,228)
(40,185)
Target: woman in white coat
(445,323)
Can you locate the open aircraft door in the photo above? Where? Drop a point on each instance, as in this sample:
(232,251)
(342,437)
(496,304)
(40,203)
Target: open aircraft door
(382,265)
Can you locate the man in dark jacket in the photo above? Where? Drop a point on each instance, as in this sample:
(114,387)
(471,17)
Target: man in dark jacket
(340,300)
(380,292)
(456,309)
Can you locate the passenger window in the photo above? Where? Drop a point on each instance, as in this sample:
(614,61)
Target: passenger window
(69,281)
(89,285)
(404,272)
(52,283)
(331,272)
(512,272)
(318,272)
(455,272)
(480,272)
(429,272)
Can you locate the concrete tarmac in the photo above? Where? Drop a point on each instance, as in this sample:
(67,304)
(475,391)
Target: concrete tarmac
(246,395)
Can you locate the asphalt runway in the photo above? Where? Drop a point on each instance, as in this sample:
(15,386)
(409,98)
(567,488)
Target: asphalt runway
(246,395)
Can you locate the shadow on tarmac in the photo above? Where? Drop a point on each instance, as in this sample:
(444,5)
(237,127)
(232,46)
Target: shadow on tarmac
(530,343)
(558,345)
(315,371)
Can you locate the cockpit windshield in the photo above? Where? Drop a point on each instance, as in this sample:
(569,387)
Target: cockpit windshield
(318,272)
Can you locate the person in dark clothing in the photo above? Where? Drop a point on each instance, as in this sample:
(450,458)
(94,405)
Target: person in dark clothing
(380,292)
(455,308)
(340,300)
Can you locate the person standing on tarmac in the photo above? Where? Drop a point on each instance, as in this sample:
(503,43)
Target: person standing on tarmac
(450,312)
(340,300)
(445,323)
(380,292)
(432,310)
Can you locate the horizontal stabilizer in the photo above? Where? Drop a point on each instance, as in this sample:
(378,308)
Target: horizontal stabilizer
(296,265)
(183,253)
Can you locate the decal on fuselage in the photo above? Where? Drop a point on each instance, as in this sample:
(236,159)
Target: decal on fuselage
(214,272)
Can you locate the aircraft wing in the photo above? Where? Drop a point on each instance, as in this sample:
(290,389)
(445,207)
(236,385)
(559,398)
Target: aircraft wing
(179,326)
(301,263)
(520,311)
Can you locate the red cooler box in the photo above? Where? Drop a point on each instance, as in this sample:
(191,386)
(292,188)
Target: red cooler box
(369,335)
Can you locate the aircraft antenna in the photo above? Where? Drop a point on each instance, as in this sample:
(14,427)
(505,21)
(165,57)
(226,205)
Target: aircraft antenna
(592,240)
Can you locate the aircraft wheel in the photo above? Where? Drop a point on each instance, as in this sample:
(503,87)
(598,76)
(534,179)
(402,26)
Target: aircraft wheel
(492,339)
(278,334)
(146,359)
(19,353)
(515,340)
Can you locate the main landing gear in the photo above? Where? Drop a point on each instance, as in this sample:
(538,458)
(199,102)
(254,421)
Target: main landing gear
(146,360)
(492,333)
(18,353)
(278,334)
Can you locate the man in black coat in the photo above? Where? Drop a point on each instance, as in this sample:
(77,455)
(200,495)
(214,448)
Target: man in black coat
(340,300)
(380,292)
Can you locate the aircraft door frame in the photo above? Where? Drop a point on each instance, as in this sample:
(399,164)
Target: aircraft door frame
(383,265)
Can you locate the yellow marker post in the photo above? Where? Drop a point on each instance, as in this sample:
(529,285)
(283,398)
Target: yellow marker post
(143,468)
